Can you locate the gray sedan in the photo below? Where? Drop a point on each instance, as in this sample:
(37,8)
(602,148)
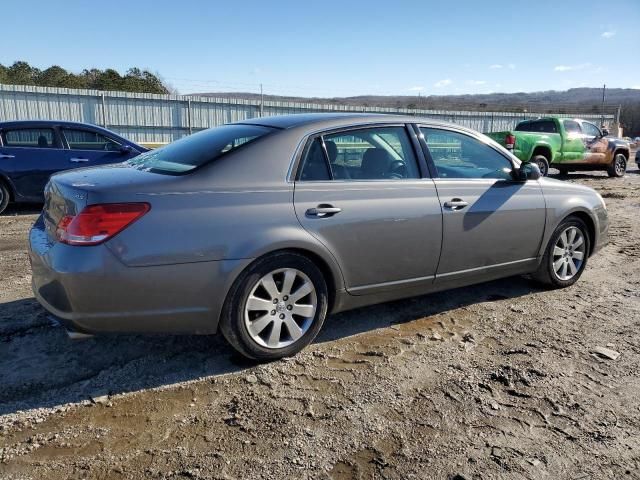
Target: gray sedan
(261,228)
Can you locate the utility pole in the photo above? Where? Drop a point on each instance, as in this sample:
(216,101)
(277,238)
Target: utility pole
(604,88)
(261,102)
(104,111)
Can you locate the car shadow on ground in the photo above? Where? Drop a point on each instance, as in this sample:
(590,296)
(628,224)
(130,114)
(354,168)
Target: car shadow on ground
(590,175)
(41,367)
(578,175)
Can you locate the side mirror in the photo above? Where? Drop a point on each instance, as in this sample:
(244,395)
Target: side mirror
(528,171)
(125,149)
(605,132)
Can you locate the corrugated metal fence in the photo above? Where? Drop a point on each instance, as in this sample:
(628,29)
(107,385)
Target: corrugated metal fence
(163,118)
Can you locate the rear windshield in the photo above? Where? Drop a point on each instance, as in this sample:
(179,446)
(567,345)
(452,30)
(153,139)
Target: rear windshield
(542,126)
(195,150)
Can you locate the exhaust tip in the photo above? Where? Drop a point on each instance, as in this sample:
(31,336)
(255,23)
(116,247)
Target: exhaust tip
(77,335)
(72,334)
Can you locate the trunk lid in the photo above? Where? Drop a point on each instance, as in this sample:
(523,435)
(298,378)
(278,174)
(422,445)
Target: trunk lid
(67,193)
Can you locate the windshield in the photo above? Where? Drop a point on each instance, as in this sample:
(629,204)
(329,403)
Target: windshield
(198,149)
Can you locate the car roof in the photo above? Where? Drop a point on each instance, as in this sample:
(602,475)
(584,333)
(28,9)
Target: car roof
(63,123)
(29,123)
(329,120)
(575,119)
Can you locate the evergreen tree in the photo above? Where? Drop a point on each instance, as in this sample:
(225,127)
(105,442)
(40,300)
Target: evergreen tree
(135,80)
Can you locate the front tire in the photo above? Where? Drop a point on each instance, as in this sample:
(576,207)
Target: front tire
(618,167)
(276,307)
(543,164)
(565,257)
(4,197)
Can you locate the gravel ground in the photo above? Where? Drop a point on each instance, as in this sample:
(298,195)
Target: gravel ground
(499,380)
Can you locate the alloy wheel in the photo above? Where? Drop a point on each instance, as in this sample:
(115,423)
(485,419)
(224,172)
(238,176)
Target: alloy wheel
(568,253)
(620,165)
(543,169)
(280,308)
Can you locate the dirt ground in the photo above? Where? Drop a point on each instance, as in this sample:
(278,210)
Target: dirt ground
(499,380)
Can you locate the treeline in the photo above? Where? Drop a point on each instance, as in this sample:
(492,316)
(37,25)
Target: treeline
(135,80)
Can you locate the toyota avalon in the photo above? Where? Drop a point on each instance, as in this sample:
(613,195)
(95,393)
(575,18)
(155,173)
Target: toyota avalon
(261,228)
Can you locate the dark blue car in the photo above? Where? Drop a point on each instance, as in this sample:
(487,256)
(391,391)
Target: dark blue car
(31,151)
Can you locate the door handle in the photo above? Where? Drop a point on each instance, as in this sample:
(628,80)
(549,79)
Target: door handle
(456,204)
(7,156)
(78,160)
(323,211)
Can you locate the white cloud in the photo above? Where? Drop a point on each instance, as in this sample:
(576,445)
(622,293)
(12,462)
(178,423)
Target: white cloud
(443,83)
(476,82)
(608,34)
(497,66)
(570,68)
(416,89)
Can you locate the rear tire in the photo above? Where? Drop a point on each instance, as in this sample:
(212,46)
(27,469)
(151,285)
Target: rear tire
(565,258)
(543,164)
(4,197)
(267,314)
(618,167)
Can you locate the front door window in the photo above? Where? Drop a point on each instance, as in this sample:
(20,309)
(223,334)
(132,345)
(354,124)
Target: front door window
(456,155)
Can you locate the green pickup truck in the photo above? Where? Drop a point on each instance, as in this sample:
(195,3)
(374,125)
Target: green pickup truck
(566,144)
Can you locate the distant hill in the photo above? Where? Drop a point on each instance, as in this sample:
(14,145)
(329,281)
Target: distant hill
(575,100)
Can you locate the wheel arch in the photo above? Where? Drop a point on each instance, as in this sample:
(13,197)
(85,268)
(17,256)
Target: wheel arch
(10,188)
(544,150)
(622,151)
(315,253)
(324,267)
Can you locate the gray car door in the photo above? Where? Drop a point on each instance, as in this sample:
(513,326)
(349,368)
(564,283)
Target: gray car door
(490,221)
(361,194)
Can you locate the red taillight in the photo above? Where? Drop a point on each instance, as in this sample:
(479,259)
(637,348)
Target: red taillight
(510,141)
(97,223)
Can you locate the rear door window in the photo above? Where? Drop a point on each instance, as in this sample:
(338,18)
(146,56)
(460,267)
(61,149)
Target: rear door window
(78,139)
(377,153)
(314,165)
(29,138)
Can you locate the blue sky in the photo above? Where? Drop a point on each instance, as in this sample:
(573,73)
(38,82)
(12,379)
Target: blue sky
(337,48)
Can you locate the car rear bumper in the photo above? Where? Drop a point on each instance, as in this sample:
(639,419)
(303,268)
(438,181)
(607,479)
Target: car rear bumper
(90,291)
